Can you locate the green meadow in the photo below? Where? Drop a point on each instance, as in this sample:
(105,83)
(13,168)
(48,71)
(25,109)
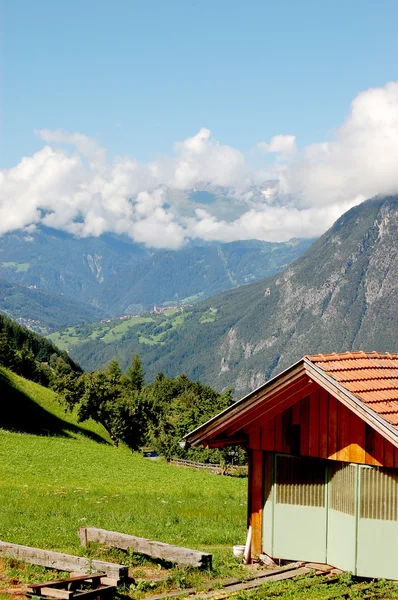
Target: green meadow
(149,330)
(56,476)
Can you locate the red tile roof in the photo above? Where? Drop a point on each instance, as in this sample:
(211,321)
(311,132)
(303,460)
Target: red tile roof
(370,376)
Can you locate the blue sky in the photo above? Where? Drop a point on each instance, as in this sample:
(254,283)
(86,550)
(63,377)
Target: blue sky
(138,76)
(112,111)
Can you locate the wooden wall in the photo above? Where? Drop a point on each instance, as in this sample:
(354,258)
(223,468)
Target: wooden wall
(322,427)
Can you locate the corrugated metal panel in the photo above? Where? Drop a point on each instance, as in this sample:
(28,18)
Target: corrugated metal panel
(379,494)
(300,481)
(342,487)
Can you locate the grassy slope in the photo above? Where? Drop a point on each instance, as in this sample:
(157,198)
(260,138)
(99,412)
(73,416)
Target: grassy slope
(51,485)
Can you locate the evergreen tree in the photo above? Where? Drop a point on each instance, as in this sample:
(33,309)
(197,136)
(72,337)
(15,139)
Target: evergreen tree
(135,375)
(7,352)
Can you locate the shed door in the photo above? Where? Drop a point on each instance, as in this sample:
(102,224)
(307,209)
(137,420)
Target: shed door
(300,509)
(378,523)
(341,538)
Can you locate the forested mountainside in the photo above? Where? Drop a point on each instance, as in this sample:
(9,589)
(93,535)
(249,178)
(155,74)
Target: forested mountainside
(43,311)
(342,294)
(121,277)
(14,338)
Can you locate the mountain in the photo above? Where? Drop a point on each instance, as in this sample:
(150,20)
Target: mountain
(119,276)
(43,311)
(342,294)
(56,261)
(195,272)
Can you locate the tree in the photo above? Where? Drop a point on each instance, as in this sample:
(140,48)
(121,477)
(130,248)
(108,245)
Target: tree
(26,365)
(68,383)
(7,352)
(105,400)
(176,406)
(135,375)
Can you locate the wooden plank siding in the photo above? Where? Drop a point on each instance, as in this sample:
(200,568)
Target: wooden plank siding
(326,429)
(256,499)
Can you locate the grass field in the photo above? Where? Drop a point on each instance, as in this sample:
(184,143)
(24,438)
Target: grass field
(115,329)
(50,485)
(56,476)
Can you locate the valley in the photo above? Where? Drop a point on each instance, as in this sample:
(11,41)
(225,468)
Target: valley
(341,294)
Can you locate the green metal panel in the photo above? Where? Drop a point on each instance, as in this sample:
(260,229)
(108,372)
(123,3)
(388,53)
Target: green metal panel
(300,533)
(342,521)
(377,549)
(299,509)
(334,512)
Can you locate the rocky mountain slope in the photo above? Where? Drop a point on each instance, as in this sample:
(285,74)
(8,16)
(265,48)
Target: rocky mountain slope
(342,294)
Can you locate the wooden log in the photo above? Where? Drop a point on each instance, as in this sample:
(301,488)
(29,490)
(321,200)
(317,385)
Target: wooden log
(176,554)
(63,562)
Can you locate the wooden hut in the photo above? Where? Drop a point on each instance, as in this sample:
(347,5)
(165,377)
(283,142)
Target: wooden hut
(323,461)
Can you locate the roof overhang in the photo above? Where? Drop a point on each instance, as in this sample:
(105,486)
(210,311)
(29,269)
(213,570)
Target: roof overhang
(233,424)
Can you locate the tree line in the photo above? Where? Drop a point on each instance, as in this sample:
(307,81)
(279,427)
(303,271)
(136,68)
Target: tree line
(155,415)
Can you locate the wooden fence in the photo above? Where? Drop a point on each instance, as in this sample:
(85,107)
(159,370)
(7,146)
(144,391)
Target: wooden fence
(212,467)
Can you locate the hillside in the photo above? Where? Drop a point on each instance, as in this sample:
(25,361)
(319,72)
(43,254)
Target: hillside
(63,476)
(340,295)
(28,407)
(43,311)
(119,276)
(43,350)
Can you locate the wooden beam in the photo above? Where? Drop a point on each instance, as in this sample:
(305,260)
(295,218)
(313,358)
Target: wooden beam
(62,562)
(240,440)
(176,554)
(257,482)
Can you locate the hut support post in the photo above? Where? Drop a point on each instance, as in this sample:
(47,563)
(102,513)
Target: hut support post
(256,495)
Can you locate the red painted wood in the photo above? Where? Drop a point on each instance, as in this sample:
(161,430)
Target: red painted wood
(313,444)
(379,448)
(268,435)
(323,423)
(388,454)
(286,430)
(296,413)
(369,445)
(343,432)
(357,447)
(255,438)
(305,426)
(332,430)
(257,501)
(279,433)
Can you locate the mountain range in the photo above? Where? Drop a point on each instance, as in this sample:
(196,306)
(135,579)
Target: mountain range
(116,276)
(341,294)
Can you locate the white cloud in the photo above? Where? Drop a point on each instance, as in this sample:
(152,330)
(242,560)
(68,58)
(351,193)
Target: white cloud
(70,183)
(283,145)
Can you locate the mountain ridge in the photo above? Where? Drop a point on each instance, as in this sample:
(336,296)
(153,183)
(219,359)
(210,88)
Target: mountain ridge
(340,295)
(119,276)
